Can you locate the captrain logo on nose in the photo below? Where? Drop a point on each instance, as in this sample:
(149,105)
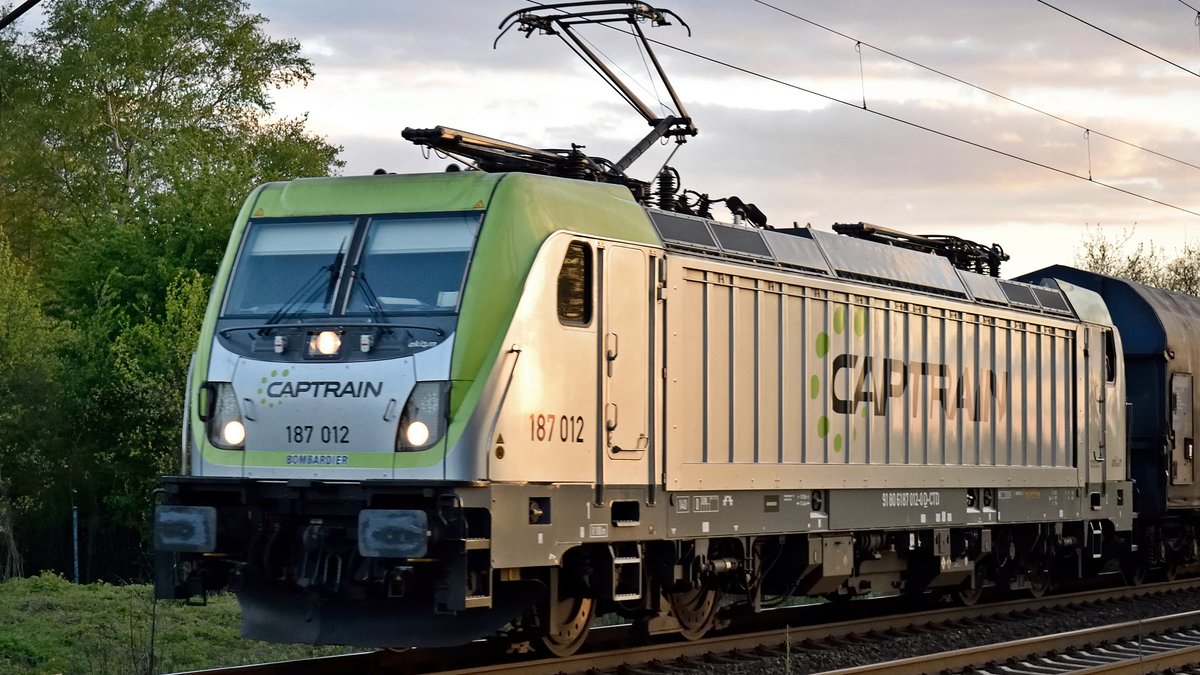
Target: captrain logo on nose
(324,389)
(273,392)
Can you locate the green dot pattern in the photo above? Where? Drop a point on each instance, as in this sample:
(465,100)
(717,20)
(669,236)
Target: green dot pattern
(823,427)
(822,344)
(814,387)
(839,320)
(837,443)
(860,322)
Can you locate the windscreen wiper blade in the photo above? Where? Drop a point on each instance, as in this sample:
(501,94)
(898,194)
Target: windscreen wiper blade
(306,290)
(371,299)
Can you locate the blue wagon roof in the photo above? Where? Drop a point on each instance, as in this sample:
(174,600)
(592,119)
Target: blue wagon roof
(1152,320)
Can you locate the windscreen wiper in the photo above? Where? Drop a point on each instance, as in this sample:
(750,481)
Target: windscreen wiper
(306,290)
(372,300)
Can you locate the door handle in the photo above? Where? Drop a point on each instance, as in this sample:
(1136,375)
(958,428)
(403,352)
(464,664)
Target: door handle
(612,347)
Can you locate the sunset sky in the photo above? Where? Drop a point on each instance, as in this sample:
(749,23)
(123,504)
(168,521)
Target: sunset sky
(381,66)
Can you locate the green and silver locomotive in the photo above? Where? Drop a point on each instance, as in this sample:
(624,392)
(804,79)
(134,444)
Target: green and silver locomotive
(426,407)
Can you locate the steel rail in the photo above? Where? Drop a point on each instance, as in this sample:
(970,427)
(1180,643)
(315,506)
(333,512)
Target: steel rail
(1143,646)
(771,643)
(611,648)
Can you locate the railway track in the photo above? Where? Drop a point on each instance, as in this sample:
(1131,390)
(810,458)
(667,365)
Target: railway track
(610,652)
(1162,644)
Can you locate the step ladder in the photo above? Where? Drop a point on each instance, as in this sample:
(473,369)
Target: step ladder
(626,571)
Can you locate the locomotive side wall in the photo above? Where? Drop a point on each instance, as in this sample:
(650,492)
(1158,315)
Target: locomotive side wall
(776,381)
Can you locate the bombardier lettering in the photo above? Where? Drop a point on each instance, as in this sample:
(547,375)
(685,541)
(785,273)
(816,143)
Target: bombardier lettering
(878,380)
(325,389)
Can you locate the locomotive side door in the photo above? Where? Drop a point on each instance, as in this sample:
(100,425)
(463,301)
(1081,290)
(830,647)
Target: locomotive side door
(1103,431)
(625,364)
(1095,420)
(1182,433)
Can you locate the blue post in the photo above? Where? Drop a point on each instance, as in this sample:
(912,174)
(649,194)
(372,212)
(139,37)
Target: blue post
(75,538)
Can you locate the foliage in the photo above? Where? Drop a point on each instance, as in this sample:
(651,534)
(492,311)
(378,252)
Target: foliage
(130,133)
(28,371)
(1144,263)
(50,625)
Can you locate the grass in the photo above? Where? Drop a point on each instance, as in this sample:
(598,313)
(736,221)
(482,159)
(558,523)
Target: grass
(49,625)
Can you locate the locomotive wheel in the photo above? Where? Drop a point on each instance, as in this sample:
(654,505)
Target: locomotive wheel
(968,597)
(695,610)
(1039,582)
(1170,571)
(567,635)
(969,593)
(1133,571)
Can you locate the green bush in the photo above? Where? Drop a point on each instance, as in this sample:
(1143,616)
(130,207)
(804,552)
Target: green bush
(49,625)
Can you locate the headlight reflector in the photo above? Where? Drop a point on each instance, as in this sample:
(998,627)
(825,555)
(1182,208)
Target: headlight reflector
(424,418)
(226,429)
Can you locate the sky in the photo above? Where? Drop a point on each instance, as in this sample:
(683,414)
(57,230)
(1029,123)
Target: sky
(382,66)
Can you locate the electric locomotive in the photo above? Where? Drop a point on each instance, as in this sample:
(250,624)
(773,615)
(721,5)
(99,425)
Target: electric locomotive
(427,407)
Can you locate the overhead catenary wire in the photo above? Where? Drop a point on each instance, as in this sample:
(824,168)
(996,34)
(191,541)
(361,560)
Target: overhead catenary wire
(912,124)
(16,13)
(859,44)
(1118,37)
(916,125)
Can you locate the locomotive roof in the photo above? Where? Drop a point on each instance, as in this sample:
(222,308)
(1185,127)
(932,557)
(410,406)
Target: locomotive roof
(826,254)
(550,203)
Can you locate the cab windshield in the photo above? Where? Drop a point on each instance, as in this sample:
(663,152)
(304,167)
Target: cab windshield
(413,264)
(288,266)
(362,266)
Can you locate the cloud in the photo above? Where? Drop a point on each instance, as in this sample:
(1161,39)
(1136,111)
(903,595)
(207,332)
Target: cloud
(382,66)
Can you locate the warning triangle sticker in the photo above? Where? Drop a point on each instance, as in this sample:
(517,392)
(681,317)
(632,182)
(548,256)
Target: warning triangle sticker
(479,204)
(499,439)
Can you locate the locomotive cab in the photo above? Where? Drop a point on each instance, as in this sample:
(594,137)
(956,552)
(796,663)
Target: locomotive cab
(356,355)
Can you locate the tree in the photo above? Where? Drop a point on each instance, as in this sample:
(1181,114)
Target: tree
(1146,263)
(29,369)
(130,133)
(144,126)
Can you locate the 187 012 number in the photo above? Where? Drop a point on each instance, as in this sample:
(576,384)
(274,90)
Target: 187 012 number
(326,434)
(561,428)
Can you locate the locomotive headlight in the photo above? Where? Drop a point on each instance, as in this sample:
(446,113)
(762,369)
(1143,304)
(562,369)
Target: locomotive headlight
(234,432)
(226,429)
(423,421)
(416,433)
(325,343)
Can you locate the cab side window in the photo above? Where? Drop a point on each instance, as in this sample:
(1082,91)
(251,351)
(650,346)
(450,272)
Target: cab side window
(575,286)
(1110,357)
